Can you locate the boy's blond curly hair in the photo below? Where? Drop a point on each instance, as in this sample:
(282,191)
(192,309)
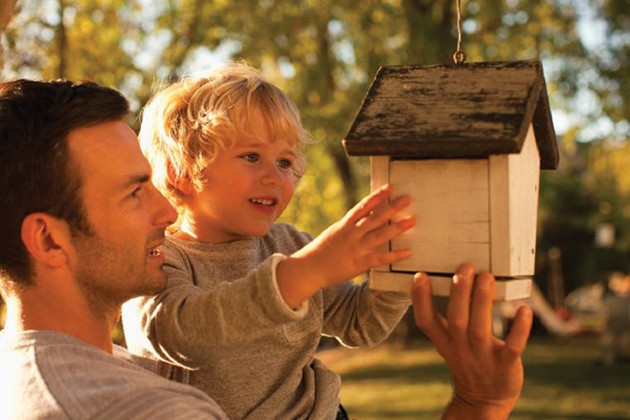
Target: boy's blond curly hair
(185,124)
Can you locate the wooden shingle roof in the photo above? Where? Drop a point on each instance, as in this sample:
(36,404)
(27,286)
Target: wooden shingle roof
(455,111)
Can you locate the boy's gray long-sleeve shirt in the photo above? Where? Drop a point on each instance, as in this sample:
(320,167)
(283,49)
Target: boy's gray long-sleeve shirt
(237,339)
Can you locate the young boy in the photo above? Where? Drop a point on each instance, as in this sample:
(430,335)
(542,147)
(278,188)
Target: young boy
(225,150)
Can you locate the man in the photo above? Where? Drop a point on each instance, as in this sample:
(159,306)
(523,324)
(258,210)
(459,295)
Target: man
(487,373)
(80,225)
(79,234)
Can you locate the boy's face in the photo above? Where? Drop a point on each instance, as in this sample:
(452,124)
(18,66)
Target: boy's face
(246,188)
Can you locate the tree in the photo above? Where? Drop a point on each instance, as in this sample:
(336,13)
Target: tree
(325,53)
(6,13)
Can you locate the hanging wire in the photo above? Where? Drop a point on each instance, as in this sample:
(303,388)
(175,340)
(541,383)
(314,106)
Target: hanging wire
(459,56)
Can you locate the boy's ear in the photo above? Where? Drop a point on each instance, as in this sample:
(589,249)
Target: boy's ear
(181,182)
(46,238)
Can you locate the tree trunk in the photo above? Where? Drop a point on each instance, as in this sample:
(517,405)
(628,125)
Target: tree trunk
(327,87)
(6,13)
(430,20)
(62,42)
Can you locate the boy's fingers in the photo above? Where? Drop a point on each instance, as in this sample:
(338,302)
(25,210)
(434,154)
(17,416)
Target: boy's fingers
(388,232)
(384,213)
(369,203)
(377,259)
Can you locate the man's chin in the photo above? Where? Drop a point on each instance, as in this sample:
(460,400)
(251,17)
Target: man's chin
(154,286)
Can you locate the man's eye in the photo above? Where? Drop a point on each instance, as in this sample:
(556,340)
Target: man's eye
(135,193)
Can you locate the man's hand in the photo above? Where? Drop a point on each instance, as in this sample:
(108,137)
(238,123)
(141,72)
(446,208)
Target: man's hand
(487,372)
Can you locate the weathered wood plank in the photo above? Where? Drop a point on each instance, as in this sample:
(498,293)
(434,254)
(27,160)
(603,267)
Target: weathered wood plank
(450,201)
(379,176)
(514,209)
(441,286)
(454,111)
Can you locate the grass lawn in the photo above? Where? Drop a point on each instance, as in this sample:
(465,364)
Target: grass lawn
(562,381)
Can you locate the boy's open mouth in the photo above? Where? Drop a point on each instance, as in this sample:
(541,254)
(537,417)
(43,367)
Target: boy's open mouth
(264,201)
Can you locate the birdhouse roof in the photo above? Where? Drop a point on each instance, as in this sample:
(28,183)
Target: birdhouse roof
(455,111)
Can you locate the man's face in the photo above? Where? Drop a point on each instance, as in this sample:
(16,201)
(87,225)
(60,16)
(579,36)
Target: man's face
(118,260)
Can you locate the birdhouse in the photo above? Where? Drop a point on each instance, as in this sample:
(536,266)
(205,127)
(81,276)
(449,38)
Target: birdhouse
(466,142)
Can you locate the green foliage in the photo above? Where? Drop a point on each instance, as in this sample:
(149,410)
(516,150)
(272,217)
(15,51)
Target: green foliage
(591,188)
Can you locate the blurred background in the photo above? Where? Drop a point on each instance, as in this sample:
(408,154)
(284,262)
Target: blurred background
(325,53)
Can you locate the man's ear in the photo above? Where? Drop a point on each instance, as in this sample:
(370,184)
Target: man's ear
(181,182)
(46,238)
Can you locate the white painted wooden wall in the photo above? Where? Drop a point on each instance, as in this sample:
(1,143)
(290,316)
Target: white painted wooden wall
(482,211)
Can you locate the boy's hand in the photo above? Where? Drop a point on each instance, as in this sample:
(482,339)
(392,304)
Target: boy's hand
(487,373)
(347,248)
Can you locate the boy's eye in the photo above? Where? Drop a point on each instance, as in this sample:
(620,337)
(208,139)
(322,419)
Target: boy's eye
(285,163)
(250,157)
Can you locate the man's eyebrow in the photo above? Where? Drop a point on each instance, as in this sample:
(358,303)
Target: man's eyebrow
(137,179)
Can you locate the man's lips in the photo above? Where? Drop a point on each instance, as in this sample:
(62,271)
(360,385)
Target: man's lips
(154,252)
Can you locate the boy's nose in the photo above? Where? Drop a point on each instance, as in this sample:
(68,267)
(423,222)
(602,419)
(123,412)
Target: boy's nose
(271,175)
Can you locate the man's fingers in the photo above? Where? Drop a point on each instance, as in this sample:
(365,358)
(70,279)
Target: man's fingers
(519,332)
(425,317)
(480,329)
(457,312)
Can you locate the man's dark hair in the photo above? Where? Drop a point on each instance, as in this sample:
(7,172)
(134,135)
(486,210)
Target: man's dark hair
(36,172)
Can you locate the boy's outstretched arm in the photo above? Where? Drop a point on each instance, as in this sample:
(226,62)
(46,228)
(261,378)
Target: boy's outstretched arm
(346,249)
(487,372)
